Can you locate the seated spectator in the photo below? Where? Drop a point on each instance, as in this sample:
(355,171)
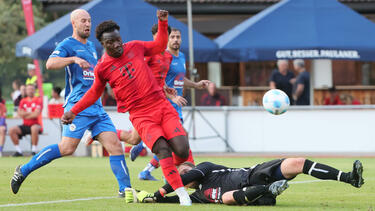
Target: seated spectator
(29,110)
(3,126)
(56,98)
(212,98)
(333,98)
(19,98)
(16,92)
(349,100)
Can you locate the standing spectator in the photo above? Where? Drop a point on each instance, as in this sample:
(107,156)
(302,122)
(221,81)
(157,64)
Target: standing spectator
(56,98)
(29,110)
(301,90)
(3,126)
(333,98)
(32,79)
(212,97)
(282,78)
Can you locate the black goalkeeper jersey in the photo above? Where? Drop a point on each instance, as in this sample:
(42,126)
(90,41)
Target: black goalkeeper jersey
(214,180)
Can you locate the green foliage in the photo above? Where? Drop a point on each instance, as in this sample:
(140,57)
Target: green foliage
(75,178)
(12,30)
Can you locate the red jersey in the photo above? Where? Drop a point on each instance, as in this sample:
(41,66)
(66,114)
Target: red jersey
(30,105)
(129,76)
(159,65)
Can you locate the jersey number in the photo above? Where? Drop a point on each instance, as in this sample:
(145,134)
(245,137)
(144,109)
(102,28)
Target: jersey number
(127,70)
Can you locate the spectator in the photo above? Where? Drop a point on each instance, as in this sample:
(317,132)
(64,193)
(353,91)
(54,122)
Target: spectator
(32,79)
(56,98)
(333,98)
(282,78)
(29,110)
(3,126)
(16,94)
(19,98)
(349,100)
(301,90)
(212,98)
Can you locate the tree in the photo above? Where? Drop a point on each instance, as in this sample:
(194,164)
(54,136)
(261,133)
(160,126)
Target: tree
(12,30)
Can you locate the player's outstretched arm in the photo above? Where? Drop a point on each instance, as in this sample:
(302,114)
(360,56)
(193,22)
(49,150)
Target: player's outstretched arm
(60,62)
(160,43)
(197,85)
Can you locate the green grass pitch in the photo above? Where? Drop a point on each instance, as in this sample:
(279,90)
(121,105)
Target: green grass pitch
(77,178)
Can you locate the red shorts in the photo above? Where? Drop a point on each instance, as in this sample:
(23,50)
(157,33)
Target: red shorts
(157,120)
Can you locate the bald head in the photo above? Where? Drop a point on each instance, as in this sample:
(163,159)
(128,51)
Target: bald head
(81,22)
(77,14)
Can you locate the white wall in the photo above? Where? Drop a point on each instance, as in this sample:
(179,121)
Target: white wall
(321,129)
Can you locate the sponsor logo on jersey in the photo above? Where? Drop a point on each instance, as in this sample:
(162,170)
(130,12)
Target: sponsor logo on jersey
(88,74)
(179,81)
(56,52)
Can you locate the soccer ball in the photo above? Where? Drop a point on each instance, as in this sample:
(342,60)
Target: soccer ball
(276,101)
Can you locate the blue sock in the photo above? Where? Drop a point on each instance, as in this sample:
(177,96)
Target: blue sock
(48,154)
(1,148)
(120,170)
(156,158)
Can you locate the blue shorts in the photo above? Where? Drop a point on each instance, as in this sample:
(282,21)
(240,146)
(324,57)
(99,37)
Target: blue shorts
(96,124)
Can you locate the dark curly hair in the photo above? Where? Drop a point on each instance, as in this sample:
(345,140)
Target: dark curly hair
(105,26)
(154,29)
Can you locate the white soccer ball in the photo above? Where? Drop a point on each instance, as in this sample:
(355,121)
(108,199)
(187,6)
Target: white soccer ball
(276,101)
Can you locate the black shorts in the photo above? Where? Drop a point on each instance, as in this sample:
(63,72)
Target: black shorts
(264,174)
(26,130)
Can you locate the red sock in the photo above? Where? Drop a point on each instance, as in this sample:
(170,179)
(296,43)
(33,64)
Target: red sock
(178,160)
(154,162)
(170,173)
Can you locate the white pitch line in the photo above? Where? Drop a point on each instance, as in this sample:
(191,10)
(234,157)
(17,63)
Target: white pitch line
(98,198)
(54,202)
(307,181)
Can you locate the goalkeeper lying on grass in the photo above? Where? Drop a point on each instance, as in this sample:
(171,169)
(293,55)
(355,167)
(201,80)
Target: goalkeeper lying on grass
(257,185)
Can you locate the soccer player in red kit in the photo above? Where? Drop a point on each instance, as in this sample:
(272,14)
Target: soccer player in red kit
(123,66)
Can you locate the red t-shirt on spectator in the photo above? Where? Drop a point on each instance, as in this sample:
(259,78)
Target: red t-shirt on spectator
(30,105)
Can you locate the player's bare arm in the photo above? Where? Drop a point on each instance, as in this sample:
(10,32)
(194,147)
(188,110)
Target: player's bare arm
(68,117)
(91,96)
(60,62)
(170,90)
(197,85)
